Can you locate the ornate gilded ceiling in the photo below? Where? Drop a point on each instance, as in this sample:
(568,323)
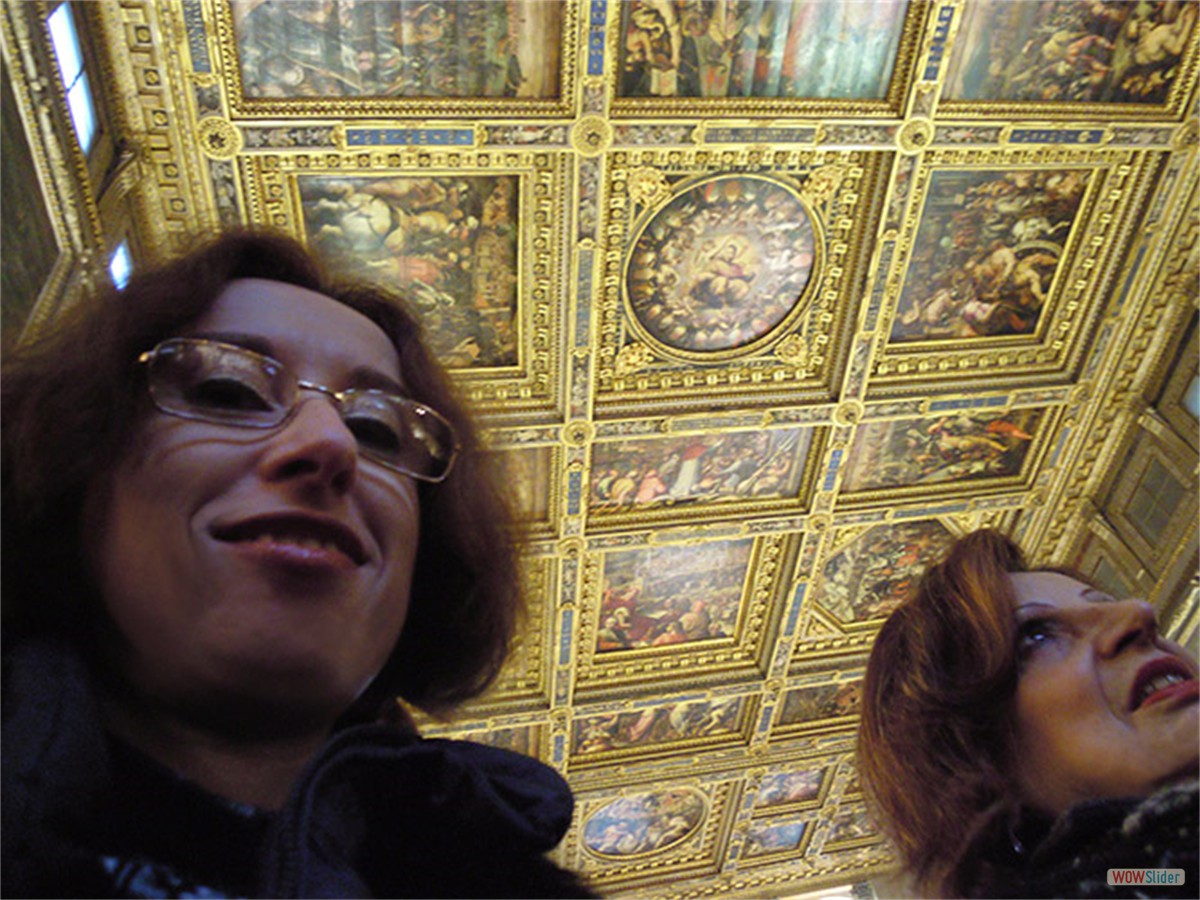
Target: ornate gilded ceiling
(763,303)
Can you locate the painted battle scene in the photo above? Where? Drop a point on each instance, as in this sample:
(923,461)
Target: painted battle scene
(870,576)
(986,252)
(958,447)
(699,469)
(327,49)
(448,244)
(1098,51)
(672,595)
(759,48)
(699,279)
(644,823)
(764,838)
(786,788)
(658,725)
(826,701)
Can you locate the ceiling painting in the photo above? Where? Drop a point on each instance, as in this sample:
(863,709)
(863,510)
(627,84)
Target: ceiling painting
(850,827)
(658,729)
(527,472)
(299,55)
(672,595)
(965,446)
(785,337)
(448,243)
(698,280)
(984,259)
(761,303)
(644,823)
(469,48)
(1067,51)
(793,789)
(869,575)
(688,474)
(655,614)
(766,838)
(824,707)
(734,48)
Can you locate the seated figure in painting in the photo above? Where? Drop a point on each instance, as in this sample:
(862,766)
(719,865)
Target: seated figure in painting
(1023,732)
(243,512)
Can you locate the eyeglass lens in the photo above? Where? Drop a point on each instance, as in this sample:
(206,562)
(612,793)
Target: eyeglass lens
(226,384)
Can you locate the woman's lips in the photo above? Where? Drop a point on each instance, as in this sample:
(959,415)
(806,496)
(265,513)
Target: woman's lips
(307,553)
(294,538)
(1180,690)
(1163,678)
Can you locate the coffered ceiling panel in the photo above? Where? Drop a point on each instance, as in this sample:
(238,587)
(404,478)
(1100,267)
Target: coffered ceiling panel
(762,302)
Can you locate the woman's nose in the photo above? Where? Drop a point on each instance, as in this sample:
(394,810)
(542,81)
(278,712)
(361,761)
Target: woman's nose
(1125,623)
(314,447)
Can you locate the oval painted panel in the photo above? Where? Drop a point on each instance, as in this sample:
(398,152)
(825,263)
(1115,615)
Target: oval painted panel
(644,823)
(722,264)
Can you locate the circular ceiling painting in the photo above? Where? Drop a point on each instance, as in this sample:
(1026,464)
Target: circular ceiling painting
(643,823)
(722,264)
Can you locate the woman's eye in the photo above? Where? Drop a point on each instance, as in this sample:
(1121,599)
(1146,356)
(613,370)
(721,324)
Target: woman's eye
(1035,633)
(227,394)
(374,434)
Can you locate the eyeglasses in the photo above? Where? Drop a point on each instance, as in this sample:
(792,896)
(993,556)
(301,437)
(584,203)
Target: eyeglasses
(194,378)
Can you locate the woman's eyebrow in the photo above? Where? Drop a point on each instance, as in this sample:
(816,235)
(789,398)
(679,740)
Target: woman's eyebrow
(362,377)
(1032,604)
(1096,595)
(367,377)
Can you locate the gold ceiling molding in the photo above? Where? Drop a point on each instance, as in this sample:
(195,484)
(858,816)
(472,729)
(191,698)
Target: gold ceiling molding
(748,360)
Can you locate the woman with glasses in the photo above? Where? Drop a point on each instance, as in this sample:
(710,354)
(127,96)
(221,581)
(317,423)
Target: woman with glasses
(243,512)
(1024,734)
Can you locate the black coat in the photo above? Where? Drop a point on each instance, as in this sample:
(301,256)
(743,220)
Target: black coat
(379,812)
(1072,857)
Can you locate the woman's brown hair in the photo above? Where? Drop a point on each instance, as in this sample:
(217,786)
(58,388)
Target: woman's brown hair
(936,736)
(71,398)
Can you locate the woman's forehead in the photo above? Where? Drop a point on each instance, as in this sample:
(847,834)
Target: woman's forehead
(298,324)
(1053,589)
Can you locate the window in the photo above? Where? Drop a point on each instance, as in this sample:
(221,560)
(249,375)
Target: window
(1153,501)
(120,265)
(1191,397)
(75,81)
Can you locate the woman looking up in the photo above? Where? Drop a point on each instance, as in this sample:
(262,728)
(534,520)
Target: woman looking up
(1023,732)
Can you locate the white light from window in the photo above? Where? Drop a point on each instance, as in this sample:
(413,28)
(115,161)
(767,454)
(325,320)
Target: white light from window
(1191,397)
(74,79)
(120,266)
